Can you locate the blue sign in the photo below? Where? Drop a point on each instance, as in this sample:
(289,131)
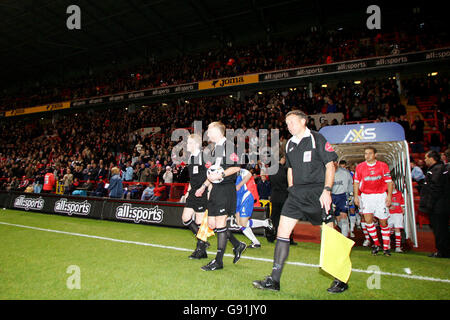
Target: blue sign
(364,133)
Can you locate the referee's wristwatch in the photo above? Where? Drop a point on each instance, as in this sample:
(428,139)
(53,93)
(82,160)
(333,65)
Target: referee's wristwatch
(327,188)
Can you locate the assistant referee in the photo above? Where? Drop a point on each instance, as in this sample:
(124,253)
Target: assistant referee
(310,176)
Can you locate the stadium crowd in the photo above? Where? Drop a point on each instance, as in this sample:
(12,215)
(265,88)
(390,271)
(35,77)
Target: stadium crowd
(90,144)
(307,48)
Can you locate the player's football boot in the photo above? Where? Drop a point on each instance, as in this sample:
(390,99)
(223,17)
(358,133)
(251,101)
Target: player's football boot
(238,251)
(212,265)
(270,225)
(337,287)
(198,254)
(267,284)
(255,246)
(387,253)
(375,250)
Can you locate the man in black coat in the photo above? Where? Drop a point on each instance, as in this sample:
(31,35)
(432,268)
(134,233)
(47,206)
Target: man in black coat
(434,202)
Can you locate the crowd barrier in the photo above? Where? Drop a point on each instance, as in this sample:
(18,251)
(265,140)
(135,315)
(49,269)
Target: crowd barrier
(163,213)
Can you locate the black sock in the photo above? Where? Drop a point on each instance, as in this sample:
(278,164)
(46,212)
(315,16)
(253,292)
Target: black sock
(201,244)
(221,243)
(192,226)
(234,241)
(280,255)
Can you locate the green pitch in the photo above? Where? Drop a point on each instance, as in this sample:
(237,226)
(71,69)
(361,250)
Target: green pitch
(35,264)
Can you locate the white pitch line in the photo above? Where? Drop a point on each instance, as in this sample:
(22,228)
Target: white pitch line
(228,255)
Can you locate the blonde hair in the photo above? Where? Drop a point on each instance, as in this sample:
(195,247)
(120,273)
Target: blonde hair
(115,171)
(196,138)
(219,125)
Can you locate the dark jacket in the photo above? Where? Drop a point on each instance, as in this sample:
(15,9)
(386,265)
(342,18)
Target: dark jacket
(432,190)
(264,189)
(279,185)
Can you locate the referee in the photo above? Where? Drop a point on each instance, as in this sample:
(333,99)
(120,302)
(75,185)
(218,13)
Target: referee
(195,206)
(222,198)
(310,176)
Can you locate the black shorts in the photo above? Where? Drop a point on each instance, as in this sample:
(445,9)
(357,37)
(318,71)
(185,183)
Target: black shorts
(222,200)
(199,204)
(303,204)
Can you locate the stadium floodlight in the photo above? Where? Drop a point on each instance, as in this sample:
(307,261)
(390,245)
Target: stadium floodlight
(433,74)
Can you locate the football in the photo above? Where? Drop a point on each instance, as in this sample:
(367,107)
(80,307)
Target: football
(214,169)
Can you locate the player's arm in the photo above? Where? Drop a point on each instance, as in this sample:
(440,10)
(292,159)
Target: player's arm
(230,171)
(290,179)
(245,179)
(356,192)
(202,189)
(390,186)
(325,198)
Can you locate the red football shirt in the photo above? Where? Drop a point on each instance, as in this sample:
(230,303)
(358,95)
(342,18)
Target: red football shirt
(396,202)
(372,178)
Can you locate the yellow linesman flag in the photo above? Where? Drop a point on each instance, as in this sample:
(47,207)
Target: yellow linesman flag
(335,251)
(204,232)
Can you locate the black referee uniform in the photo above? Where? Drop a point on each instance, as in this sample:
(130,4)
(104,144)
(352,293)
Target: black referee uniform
(197,175)
(307,158)
(222,199)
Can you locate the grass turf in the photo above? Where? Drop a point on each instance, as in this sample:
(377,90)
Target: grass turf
(34,263)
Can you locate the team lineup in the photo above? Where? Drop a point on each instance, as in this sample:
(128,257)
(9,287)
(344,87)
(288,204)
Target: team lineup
(316,187)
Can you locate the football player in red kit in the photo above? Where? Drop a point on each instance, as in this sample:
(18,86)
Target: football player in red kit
(373,179)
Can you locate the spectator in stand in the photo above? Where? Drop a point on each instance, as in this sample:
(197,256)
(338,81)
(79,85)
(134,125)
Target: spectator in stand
(417,174)
(23,184)
(49,182)
(100,191)
(144,173)
(405,124)
(93,172)
(75,188)
(157,193)
(128,175)
(67,181)
(420,125)
(312,124)
(147,194)
(13,184)
(168,175)
(414,137)
(88,186)
(435,140)
(264,188)
(115,187)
